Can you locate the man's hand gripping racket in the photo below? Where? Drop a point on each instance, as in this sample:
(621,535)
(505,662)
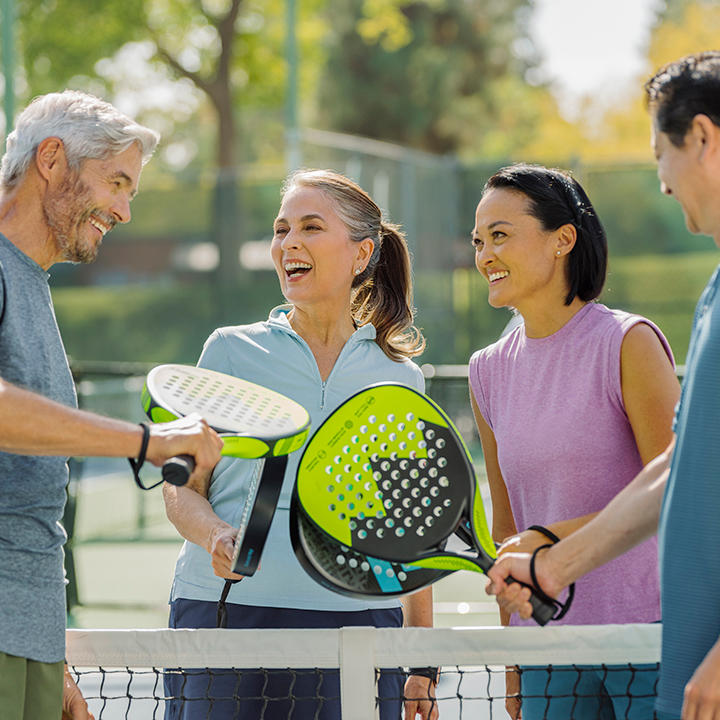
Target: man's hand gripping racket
(513,597)
(388,475)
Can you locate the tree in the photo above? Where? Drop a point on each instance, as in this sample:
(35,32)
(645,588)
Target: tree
(418,72)
(623,132)
(230,50)
(684,29)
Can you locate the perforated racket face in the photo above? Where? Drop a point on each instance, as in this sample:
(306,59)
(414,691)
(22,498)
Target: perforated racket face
(386,472)
(344,570)
(228,404)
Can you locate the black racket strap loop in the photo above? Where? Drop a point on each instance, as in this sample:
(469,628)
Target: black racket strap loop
(137,464)
(571,590)
(562,608)
(568,602)
(222,607)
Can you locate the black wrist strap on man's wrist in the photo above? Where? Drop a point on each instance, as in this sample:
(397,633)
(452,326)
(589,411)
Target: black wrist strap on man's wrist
(137,464)
(562,607)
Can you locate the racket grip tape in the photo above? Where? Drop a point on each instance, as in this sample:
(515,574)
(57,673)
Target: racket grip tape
(543,610)
(177,470)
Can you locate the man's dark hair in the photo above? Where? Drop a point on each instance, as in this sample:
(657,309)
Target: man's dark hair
(683,89)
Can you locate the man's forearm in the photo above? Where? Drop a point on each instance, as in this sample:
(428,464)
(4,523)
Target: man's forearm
(629,518)
(31,424)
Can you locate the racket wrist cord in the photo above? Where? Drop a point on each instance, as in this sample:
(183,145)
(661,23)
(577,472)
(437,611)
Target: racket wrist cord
(222,617)
(137,464)
(562,608)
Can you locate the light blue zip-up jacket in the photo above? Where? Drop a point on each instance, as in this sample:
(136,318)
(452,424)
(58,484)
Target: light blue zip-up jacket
(272,354)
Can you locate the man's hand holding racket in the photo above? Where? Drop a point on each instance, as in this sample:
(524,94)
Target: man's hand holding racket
(514,597)
(189,435)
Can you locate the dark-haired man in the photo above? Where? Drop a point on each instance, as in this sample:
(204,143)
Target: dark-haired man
(678,493)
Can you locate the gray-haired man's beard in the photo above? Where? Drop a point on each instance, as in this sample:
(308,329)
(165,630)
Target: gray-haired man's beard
(65,212)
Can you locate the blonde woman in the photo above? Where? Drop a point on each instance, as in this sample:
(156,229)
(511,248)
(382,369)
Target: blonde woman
(348,322)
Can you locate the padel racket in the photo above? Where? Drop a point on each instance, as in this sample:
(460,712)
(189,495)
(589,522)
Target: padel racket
(388,475)
(257,514)
(254,421)
(348,572)
(254,526)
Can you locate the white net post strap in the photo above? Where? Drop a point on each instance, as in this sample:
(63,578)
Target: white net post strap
(357,672)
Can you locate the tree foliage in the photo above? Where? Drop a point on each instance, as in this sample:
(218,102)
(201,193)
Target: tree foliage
(232,51)
(622,132)
(690,28)
(418,72)
(63,39)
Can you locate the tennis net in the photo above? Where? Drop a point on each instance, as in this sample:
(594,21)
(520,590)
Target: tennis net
(569,672)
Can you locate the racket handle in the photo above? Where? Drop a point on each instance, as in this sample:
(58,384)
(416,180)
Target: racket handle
(177,470)
(543,611)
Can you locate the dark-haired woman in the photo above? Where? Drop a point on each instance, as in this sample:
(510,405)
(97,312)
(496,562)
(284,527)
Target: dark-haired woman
(569,405)
(348,323)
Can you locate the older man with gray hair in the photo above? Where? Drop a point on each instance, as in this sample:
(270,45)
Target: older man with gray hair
(70,171)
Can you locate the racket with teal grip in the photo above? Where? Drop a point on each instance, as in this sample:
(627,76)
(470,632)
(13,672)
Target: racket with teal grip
(388,475)
(348,572)
(253,420)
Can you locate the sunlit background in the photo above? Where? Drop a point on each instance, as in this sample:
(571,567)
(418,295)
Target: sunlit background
(419,102)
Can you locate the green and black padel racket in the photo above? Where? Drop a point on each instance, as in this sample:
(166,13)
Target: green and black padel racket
(388,475)
(348,572)
(253,420)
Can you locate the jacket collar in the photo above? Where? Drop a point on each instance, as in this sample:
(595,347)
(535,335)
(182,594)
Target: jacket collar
(278,318)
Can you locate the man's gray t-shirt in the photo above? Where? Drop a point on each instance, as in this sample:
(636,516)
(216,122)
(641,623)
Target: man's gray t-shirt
(32,488)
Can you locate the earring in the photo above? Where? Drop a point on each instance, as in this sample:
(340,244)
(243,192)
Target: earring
(558,253)
(358,271)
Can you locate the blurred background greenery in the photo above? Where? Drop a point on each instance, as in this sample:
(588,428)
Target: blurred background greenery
(418,100)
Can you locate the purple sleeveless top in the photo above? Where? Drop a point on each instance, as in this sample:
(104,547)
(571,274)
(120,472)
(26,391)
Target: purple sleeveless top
(566,448)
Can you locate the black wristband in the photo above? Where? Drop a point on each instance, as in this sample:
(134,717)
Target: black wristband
(143,444)
(549,534)
(562,607)
(430,673)
(137,464)
(533,576)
